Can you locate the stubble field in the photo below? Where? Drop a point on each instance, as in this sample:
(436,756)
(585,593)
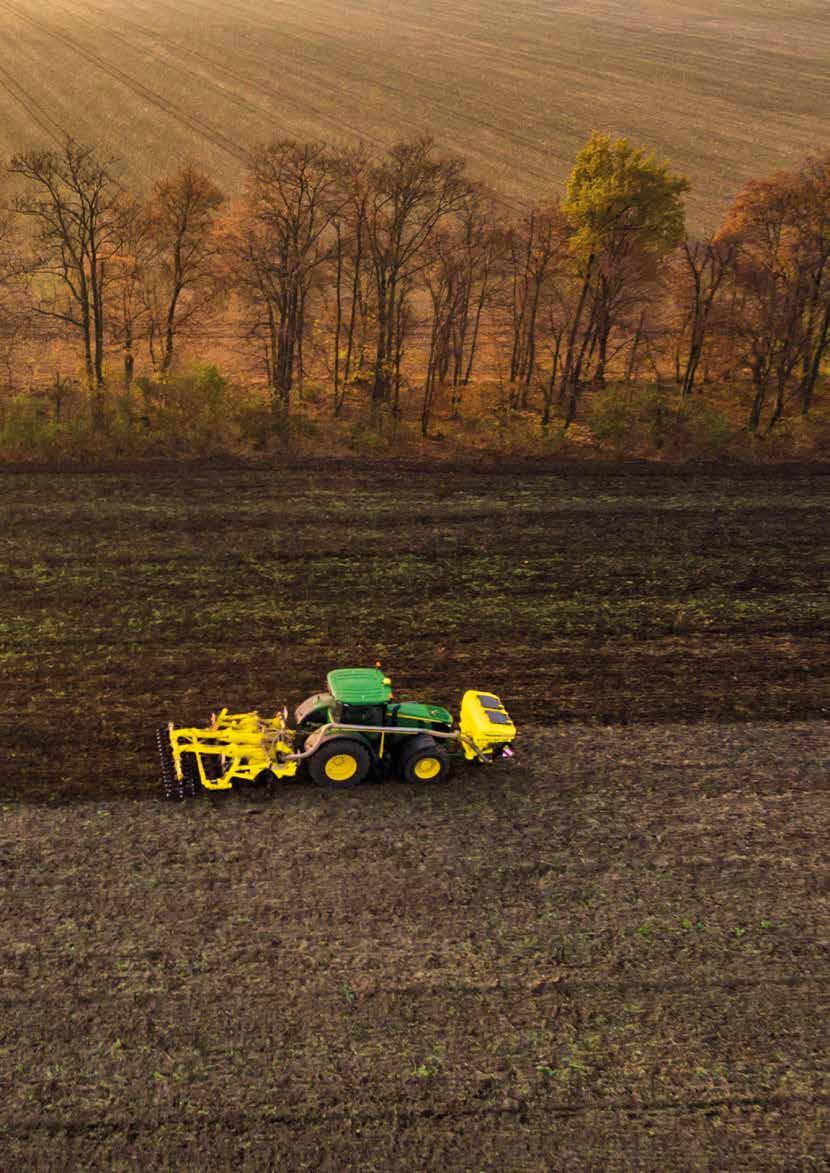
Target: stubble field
(611,953)
(727,90)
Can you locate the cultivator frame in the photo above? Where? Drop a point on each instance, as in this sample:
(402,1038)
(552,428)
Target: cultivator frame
(237,746)
(247,749)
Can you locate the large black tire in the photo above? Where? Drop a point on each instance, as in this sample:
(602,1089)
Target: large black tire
(340,762)
(423,759)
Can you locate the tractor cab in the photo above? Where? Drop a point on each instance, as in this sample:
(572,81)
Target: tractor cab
(360,695)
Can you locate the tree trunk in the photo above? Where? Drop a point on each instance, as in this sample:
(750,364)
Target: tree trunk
(808,383)
(570,374)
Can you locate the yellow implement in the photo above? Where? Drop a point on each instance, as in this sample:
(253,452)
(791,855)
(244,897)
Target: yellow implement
(236,747)
(485,724)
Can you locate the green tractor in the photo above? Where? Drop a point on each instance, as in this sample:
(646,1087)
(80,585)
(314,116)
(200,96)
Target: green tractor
(352,731)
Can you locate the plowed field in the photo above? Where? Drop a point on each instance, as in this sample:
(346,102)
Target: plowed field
(611,953)
(728,90)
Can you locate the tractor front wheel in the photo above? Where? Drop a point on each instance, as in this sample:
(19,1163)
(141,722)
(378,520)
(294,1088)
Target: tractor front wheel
(339,763)
(424,760)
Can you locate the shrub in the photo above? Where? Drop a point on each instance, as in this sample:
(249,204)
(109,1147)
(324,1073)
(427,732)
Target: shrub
(616,418)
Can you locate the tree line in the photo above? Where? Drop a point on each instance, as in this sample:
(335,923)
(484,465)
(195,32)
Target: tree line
(373,274)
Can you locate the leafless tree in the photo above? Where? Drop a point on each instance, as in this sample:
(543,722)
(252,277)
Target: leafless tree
(538,246)
(181,271)
(130,295)
(352,272)
(280,247)
(76,210)
(697,277)
(412,190)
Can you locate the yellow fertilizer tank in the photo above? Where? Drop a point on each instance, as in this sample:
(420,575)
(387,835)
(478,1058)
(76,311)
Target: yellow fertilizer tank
(486,723)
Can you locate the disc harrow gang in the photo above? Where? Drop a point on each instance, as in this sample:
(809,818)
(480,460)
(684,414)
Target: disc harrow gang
(176,789)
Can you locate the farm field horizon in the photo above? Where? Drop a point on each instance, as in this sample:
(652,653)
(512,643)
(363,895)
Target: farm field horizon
(726,91)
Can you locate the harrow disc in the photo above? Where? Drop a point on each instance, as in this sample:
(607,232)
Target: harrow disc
(191,783)
(173,788)
(177,789)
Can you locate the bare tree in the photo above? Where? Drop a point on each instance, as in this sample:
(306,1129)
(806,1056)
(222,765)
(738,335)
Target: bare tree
(411,192)
(352,273)
(13,274)
(77,213)
(181,215)
(459,273)
(698,277)
(130,301)
(538,247)
(481,249)
(280,247)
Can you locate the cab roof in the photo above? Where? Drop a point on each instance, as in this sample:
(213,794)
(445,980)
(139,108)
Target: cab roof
(359,686)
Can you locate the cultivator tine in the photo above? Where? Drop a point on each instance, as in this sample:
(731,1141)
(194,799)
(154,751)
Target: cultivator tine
(173,787)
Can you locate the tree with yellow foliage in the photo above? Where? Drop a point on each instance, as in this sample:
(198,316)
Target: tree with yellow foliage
(625,210)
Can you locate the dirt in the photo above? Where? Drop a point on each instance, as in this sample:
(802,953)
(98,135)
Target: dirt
(610,953)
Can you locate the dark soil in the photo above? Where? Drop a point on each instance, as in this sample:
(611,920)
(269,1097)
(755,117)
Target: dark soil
(135,597)
(611,953)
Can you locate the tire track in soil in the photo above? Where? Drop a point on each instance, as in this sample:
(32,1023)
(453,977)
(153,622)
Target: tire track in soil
(566,987)
(30,104)
(259,87)
(503,133)
(121,1124)
(192,122)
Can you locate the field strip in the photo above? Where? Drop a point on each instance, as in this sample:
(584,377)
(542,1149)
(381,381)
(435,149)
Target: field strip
(259,87)
(566,986)
(406,98)
(32,107)
(401,1114)
(452,110)
(203,129)
(197,77)
(575,69)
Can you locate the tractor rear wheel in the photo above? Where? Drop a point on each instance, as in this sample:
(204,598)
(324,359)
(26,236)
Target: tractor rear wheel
(424,760)
(341,762)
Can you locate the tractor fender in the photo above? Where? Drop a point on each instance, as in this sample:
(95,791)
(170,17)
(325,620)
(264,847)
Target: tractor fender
(319,737)
(420,741)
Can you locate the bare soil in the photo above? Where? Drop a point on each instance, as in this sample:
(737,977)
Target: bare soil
(611,953)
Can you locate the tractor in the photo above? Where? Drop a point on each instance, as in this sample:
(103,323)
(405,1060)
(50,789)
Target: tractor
(353,731)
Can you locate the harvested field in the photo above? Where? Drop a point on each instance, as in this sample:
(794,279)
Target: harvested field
(610,953)
(728,91)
